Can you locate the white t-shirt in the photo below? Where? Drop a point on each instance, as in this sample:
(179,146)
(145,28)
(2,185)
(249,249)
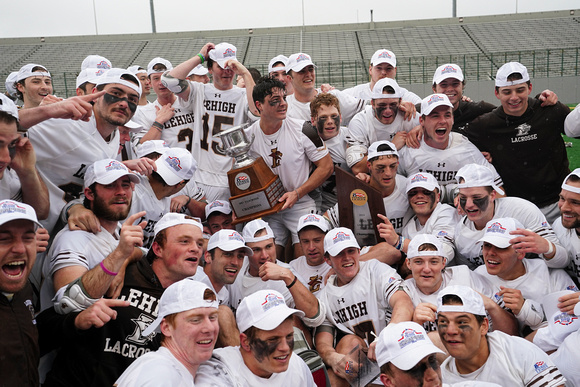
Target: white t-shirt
(364,91)
(227,368)
(144,199)
(512,361)
(349,106)
(363,305)
(567,358)
(337,149)
(10,187)
(572,123)
(313,275)
(156,369)
(441,223)
(223,295)
(571,243)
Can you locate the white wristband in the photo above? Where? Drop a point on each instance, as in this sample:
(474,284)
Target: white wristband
(550,250)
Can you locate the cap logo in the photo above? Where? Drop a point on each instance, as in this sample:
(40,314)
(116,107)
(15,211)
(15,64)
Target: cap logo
(9,207)
(564,319)
(235,236)
(448,69)
(410,336)
(311,218)
(229,53)
(115,166)
(340,236)
(418,178)
(100,72)
(385,54)
(103,65)
(302,57)
(540,366)
(496,227)
(272,301)
(434,98)
(215,204)
(174,163)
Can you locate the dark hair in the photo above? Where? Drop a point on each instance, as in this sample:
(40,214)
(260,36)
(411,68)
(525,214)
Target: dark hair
(264,88)
(311,227)
(34,69)
(160,239)
(255,73)
(7,118)
(514,77)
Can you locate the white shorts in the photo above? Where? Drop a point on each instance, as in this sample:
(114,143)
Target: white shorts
(214,193)
(286,222)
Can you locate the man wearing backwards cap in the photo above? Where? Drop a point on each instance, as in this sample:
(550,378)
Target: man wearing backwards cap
(143,77)
(479,355)
(361,298)
(33,82)
(199,74)
(379,121)
(524,282)
(407,356)
(217,106)
(219,215)
(441,152)
(187,320)
(18,332)
(524,140)
(100,356)
(264,357)
(478,199)
(277,69)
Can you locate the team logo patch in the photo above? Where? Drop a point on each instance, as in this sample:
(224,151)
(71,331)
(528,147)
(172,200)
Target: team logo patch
(564,319)
(434,98)
(174,163)
(229,53)
(449,69)
(340,236)
(442,234)
(242,181)
(115,166)
(302,57)
(215,204)
(496,297)
(496,227)
(358,197)
(235,236)
(410,336)
(544,224)
(418,178)
(391,279)
(523,129)
(385,54)
(103,65)
(271,301)
(10,207)
(540,366)
(572,288)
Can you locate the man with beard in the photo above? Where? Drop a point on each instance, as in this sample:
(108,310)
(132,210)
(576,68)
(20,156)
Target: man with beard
(86,263)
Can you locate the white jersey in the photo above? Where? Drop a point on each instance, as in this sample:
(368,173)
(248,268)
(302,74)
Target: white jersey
(456,275)
(313,276)
(64,149)
(365,128)
(223,295)
(396,207)
(157,368)
(214,111)
(567,358)
(538,281)
(443,164)
(177,131)
(364,91)
(441,223)
(144,199)
(349,106)
(337,149)
(227,368)
(571,243)
(289,152)
(10,187)
(363,305)
(572,123)
(512,361)
(74,248)
(468,248)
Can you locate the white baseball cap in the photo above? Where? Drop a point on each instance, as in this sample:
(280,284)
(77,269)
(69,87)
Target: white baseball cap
(181,296)
(10,79)
(222,206)
(198,70)
(222,53)
(568,187)
(12,210)
(26,72)
(377,92)
(448,70)
(251,228)
(175,165)
(384,56)
(171,219)
(158,60)
(422,180)
(114,76)
(298,61)
(339,239)
(8,106)
(374,152)
(107,171)
(475,175)
(432,101)
(135,69)
(90,75)
(472,301)
(404,344)
(228,240)
(277,59)
(133,126)
(96,62)
(501,77)
(151,146)
(497,232)
(265,309)
(420,239)
(313,220)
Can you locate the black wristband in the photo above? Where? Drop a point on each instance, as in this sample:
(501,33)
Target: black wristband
(292,283)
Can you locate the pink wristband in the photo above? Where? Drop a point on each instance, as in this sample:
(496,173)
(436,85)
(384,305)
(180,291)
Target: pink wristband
(112,273)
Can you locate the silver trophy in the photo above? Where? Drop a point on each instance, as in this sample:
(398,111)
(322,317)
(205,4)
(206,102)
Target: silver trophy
(236,144)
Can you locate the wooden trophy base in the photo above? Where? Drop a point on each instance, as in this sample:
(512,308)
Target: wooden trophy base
(255,191)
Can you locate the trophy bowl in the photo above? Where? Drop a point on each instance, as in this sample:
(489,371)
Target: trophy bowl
(236,144)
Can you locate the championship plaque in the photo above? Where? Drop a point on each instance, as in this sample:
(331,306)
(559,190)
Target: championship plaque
(255,189)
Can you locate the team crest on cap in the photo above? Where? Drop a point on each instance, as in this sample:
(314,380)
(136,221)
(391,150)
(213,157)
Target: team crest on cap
(385,54)
(103,65)
(100,72)
(311,218)
(215,204)
(9,207)
(302,57)
(115,166)
(417,178)
(434,98)
(448,69)
(235,236)
(229,53)
(174,163)
(540,366)
(271,301)
(340,236)
(496,227)
(410,336)
(565,319)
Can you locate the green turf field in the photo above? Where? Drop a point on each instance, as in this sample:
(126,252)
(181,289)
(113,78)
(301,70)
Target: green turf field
(574,151)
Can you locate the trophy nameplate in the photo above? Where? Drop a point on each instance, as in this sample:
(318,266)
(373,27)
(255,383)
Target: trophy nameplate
(255,189)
